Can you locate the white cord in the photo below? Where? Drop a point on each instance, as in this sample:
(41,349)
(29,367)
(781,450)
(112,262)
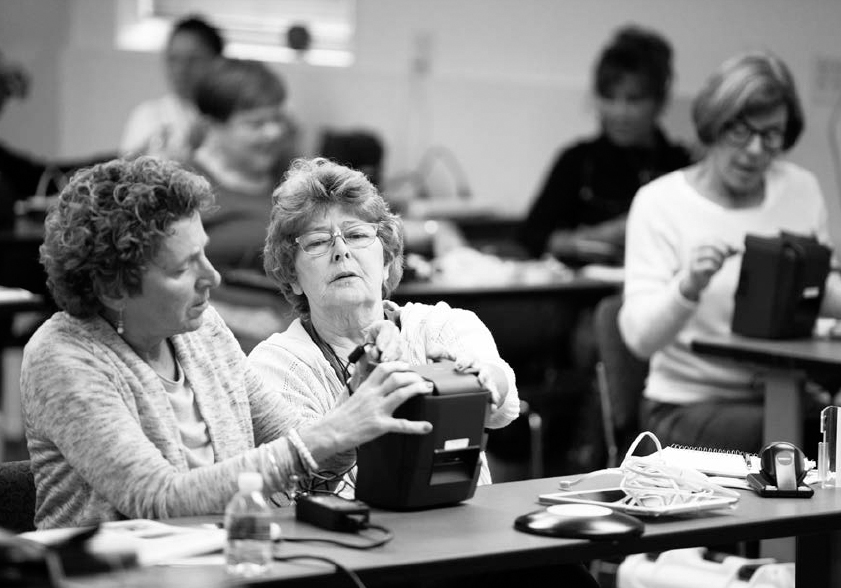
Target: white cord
(650,481)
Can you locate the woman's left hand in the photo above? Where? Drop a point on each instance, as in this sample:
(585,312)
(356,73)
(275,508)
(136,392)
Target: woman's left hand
(467,364)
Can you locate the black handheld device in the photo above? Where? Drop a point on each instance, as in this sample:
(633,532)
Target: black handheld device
(332,512)
(797,265)
(406,472)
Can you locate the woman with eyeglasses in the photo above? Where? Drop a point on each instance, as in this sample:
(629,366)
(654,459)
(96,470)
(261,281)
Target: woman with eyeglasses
(336,252)
(685,234)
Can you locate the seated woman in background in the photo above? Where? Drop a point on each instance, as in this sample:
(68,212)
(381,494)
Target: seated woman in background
(685,231)
(579,214)
(138,401)
(248,144)
(170,126)
(336,251)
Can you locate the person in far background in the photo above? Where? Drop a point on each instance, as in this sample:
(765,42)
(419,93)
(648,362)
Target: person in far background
(248,144)
(686,231)
(170,126)
(579,214)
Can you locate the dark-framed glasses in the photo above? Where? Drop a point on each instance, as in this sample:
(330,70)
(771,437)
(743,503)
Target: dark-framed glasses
(740,133)
(356,236)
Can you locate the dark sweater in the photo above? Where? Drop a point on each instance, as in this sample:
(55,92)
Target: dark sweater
(594,181)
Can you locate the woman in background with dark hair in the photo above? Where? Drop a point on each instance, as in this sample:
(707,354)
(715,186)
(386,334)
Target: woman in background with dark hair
(170,126)
(248,144)
(579,214)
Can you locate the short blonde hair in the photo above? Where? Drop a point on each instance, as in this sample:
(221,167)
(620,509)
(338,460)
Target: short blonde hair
(747,84)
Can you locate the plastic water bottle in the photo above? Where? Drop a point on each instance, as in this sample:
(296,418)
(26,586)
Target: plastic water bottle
(248,521)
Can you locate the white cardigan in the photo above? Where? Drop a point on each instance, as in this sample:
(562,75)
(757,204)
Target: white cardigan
(291,363)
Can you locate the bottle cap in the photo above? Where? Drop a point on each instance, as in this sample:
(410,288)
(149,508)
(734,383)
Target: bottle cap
(250,482)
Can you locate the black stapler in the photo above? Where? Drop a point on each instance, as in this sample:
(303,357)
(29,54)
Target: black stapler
(783,469)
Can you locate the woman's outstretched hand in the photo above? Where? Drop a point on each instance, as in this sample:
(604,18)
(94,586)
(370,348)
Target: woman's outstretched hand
(367,413)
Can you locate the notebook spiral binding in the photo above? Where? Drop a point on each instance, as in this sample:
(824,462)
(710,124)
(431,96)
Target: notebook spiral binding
(713,450)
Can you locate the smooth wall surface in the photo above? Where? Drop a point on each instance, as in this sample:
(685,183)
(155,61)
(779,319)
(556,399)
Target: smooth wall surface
(507,84)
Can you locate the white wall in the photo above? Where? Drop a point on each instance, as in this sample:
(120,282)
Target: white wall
(508,83)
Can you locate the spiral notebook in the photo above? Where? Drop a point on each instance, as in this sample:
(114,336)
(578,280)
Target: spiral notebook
(713,462)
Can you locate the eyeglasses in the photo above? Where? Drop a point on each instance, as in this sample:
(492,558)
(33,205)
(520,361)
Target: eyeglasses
(356,236)
(740,133)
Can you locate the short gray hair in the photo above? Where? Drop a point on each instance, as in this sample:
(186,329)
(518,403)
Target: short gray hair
(310,188)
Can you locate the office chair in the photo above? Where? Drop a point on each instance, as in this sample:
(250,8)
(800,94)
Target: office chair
(621,381)
(17,496)
(535,422)
(505,447)
(360,150)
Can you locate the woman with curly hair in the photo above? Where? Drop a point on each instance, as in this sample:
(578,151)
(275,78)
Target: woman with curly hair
(336,252)
(137,399)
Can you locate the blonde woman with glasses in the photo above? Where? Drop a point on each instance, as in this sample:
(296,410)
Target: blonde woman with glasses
(685,234)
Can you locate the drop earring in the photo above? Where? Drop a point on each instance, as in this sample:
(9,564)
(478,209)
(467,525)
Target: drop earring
(120,326)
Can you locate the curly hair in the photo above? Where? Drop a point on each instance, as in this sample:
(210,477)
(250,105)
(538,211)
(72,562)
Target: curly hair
(109,223)
(636,51)
(310,188)
(748,84)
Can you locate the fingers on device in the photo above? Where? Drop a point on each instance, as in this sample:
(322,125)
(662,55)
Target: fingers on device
(783,469)
(403,472)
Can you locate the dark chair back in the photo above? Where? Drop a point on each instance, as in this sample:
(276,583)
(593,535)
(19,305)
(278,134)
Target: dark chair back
(360,150)
(621,381)
(17,496)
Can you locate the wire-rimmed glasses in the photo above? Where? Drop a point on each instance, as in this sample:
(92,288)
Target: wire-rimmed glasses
(355,236)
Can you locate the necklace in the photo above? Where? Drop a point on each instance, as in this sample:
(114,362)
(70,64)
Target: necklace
(342,368)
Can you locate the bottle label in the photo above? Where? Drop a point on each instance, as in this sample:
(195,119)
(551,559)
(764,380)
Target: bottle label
(249,527)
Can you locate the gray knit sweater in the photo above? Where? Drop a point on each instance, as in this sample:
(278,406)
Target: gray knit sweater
(104,440)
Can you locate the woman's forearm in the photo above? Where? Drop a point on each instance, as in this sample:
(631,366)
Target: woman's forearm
(650,320)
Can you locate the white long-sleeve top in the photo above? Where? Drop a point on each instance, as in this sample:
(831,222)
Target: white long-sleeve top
(160,127)
(667,219)
(291,363)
